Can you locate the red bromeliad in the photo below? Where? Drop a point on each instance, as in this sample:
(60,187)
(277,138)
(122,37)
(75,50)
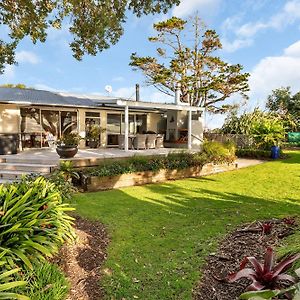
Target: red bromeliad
(266,275)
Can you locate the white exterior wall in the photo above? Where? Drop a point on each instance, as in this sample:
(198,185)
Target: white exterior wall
(9,118)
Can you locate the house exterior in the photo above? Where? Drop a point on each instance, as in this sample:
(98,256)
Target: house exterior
(28,115)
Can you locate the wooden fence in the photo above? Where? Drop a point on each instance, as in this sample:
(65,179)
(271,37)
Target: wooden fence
(241,140)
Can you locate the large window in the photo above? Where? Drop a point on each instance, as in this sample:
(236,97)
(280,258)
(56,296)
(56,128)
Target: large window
(68,122)
(91,119)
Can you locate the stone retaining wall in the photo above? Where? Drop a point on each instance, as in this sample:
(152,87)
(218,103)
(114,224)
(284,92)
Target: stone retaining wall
(141,178)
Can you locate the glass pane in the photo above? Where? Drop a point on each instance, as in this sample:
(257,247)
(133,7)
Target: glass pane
(113,123)
(131,125)
(92,114)
(30,120)
(68,122)
(50,122)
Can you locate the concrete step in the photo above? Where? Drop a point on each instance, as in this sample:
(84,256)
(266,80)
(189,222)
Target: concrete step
(28,167)
(13,175)
(32,160)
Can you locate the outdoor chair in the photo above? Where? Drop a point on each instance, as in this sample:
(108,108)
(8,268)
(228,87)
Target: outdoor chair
(139,141)
(160,141)
(151,141)
(121,142)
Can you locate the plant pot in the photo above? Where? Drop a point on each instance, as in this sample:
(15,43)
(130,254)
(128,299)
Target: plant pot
(94,144)
(66,151)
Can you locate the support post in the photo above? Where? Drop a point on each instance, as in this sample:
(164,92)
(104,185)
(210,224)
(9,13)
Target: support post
(190,129)
(126,121)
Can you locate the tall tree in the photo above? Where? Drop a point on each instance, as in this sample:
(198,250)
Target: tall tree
(187,58)
(287,106)
(94,24)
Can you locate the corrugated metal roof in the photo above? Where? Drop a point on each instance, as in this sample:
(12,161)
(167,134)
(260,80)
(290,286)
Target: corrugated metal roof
(39,97)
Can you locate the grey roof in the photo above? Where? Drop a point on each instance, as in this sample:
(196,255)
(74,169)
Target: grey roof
(39,97)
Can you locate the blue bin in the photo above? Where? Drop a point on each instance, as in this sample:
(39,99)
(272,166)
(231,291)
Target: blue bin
(275,152)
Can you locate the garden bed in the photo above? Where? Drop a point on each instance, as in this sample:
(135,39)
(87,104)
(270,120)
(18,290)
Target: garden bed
(140,178)
(82,260)
(244,241)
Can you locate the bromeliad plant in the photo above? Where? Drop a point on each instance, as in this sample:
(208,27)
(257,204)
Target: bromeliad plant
(266,275)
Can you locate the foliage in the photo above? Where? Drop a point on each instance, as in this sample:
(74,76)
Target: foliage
(33,220)
(173,161)
(8,283)
(266,275)
(187,60)
(45,282)
(217,152)
(70,139)
(266,129)
(18,85)
(93,133)
(94,25)
(161,234)
(66,169)
(253,153)
(287,106)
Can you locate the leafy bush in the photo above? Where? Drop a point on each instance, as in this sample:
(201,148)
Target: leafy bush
(253,153)
(33,221)
(8,283)
(266,275)
(219,152)
(45,282)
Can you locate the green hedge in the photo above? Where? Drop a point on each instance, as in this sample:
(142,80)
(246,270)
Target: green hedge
(253,153)
(212,152)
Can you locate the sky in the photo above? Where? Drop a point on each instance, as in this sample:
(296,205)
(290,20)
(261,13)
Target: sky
(262,35)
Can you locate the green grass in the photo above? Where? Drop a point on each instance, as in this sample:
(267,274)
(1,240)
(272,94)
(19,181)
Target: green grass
(45,282)
(161,234)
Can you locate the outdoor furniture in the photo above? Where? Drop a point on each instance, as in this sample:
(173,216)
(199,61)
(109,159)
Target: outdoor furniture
(140,141)
(151,141)
(160,141)
(121,141)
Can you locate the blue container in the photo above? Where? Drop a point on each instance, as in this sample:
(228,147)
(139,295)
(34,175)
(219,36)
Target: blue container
(275,152)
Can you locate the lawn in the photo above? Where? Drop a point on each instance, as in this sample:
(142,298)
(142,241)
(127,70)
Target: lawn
(161,233)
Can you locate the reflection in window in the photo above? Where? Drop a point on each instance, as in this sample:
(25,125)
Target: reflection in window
(50,122)
(68,122)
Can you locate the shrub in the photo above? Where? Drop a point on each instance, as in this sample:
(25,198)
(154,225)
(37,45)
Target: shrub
(33,221)
(253,153)
(217,152)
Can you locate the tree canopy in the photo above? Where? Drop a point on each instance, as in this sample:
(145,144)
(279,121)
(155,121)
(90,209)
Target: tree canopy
(186,56)
(94,24)
(286,105)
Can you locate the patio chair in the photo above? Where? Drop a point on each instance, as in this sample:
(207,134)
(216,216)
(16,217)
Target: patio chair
(139,141)
(121,141)
(151,141)
(160,141)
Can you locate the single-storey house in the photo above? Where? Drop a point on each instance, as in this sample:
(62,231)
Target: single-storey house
(27,115)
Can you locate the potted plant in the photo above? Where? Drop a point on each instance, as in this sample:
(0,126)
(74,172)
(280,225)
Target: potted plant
(67,145)
(93,136)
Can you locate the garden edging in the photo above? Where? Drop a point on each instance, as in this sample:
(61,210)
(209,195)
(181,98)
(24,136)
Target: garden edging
(140,178)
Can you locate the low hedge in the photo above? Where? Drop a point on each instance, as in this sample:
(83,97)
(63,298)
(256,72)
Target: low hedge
(212,152)
(253,153)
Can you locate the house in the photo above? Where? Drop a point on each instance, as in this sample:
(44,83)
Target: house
(27,115)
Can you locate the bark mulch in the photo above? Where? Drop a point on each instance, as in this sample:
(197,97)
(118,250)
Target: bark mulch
(247,240)
(82,260)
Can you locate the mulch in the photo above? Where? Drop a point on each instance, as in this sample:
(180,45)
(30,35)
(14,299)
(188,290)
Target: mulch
(82,260)
(246,240)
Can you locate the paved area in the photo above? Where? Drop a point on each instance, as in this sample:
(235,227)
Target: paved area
(245,162)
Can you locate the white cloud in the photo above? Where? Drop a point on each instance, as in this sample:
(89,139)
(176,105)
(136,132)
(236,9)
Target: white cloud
(41,86)
(244,34)
(274,72)
(27,57)
(187,7)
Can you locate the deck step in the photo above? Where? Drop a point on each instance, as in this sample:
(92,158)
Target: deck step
(26,167)
(4,181)
(33,161)
(5,174)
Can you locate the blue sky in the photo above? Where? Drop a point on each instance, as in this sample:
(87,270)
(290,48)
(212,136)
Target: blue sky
(262,35)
